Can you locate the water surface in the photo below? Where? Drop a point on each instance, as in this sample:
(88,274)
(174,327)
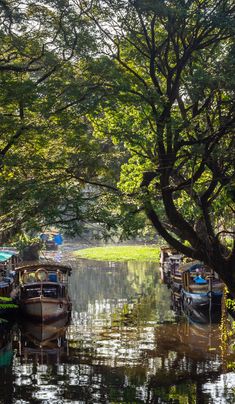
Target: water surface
(124,345)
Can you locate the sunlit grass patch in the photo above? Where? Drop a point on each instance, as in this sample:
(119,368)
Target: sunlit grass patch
(121,253)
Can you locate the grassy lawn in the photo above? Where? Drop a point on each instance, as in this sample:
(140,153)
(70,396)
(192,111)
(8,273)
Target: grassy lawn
(121,253)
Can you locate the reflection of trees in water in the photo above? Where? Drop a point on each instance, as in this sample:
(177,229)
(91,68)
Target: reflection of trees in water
(116,330)
(76,381)
(138,332)
(7,332)
(92,281)
(124,346)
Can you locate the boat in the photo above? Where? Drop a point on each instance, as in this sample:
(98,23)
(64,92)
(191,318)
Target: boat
(50,245)
(43,294)
(9,259)
(170,260)
(201,293)
(176,274)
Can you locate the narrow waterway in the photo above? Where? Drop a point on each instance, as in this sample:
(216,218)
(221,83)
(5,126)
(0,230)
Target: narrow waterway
(124,344)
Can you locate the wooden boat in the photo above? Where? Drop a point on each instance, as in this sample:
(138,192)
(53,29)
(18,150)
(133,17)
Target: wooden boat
(43,292)
(51,245)
(8,287)
(170,260)
(201,299)
(176,275)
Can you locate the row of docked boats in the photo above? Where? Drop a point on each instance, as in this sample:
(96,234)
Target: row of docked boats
(196,288)
(9,260)
(38,290)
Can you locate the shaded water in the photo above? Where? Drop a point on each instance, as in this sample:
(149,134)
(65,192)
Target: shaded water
(124,345)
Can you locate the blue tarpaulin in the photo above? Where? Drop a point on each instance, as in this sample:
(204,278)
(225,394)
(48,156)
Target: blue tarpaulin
(58,239)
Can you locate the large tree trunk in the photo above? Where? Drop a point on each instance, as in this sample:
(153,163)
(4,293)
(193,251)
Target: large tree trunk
(209,251)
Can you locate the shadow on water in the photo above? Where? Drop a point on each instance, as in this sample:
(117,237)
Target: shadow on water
(123,344)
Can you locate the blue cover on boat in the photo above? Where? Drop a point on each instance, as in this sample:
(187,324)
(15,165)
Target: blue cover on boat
(200,280)
(58,239)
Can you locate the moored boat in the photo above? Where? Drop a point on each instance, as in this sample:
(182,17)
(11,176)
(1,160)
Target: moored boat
(176,274)
(201,292)
(43,294)
(170,260)
(8,287)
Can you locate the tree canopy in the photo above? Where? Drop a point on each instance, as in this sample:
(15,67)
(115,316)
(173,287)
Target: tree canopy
(46,147)
(133,97)
(170,68)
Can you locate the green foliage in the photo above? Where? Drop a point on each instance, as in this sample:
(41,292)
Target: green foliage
(170,108)
(8,306)
(7,303)
(24,240)
(105,126)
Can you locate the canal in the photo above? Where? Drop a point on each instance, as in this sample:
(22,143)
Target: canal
(124,344)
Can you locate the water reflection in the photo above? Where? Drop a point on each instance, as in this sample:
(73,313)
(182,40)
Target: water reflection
(124,344)
(43,343)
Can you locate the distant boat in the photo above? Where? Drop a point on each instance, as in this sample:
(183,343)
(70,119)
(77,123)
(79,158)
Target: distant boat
(170,260)
(43,293)
(51,245)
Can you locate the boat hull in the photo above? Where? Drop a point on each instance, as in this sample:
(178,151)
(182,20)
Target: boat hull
(45,309)
(201,306)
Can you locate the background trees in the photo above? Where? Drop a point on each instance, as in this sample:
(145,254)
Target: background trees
(45,137)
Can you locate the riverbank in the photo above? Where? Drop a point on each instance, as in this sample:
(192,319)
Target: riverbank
(121,253)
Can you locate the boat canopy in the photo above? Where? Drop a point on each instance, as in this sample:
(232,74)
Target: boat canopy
(191,266)
(6,255)
(195,266)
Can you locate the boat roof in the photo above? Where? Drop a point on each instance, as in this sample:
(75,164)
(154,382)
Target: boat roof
(6,255)
(167,248)
(45,265)
(191,266)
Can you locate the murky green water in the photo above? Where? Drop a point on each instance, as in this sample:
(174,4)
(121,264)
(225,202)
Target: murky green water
(124,345)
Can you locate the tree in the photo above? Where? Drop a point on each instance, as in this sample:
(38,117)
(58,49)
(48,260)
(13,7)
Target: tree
(144,87)
(168,66)
(45,141)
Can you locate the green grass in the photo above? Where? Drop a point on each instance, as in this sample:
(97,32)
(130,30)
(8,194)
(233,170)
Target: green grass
(121,253)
